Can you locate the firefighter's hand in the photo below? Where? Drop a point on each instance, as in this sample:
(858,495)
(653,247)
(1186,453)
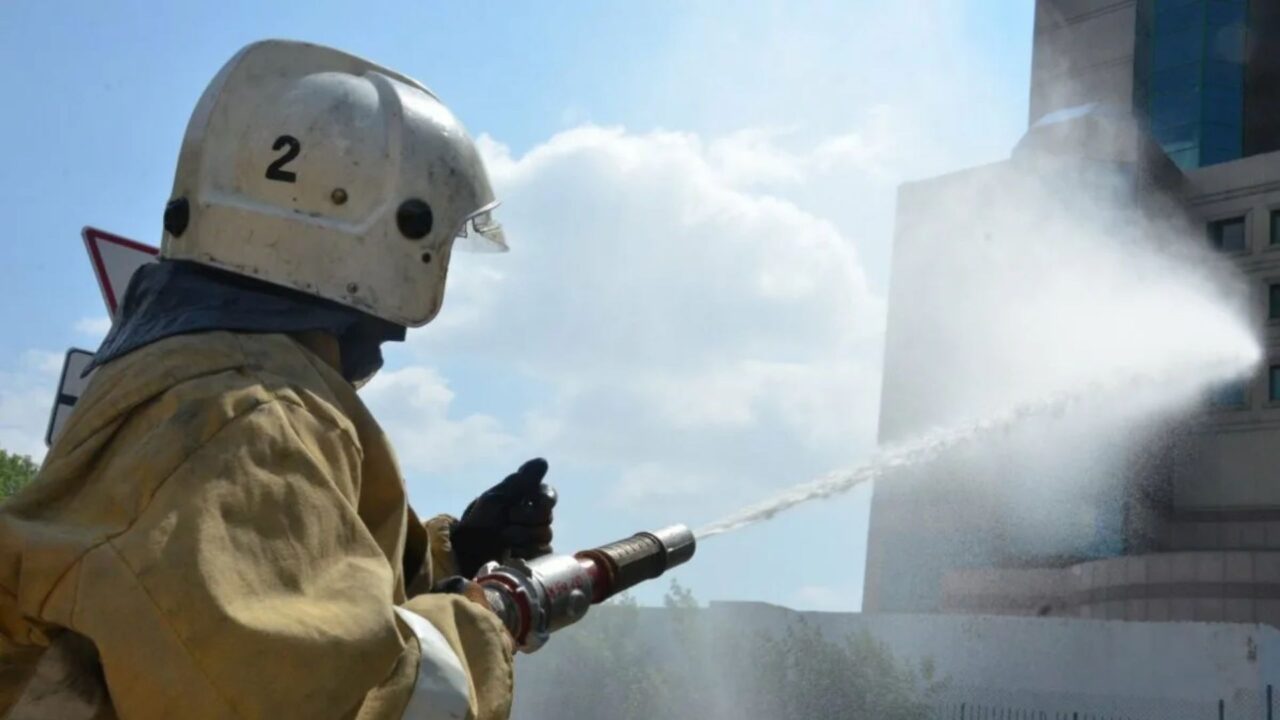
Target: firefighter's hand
(511,518)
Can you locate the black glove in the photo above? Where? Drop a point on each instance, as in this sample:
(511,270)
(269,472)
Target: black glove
(513,517)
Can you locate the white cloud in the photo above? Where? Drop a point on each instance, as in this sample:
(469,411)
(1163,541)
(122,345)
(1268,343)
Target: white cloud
(825,598)
(873,96)
(44,363)
(754,157)
(705,309)
(94,328)
(689,328)
(413,405)
(699,313)
(703,312)
(652,481)
(573,115)
(699,310)
(26,397)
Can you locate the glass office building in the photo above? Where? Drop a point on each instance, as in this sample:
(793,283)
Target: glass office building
(1189,77)
(1125,83)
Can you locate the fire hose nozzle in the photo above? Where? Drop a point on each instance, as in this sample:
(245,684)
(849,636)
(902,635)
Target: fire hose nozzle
(539,596)
(643,556)
(679,542)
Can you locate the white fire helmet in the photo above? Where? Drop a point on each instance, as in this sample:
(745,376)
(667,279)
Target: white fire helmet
(313,169)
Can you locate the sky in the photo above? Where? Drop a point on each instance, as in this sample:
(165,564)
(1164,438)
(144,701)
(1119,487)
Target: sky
(699,198)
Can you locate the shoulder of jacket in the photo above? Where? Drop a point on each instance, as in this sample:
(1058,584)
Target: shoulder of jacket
(292,374)
(192,378)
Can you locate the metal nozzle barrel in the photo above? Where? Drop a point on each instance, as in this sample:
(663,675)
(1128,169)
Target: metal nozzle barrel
(626,563)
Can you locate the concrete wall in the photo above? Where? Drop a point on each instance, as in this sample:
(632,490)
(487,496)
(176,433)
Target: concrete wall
(1232,463)
(1232,586)
(1083,53)
(931,266)
(906,558)
(1010,504)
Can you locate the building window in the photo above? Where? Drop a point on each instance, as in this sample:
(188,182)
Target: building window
(1235,395)
(1227,235)
(1275,227)
(1189,77)
(1274,394)
(1273,301)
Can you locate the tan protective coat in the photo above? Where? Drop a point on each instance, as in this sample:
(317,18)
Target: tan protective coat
(224,522)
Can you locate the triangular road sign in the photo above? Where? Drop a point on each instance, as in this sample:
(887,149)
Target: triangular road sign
(115,260)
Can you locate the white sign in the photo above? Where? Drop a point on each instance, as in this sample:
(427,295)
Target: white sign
(70,388)
(115,260)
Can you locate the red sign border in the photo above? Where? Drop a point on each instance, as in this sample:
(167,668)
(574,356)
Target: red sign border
(92,236)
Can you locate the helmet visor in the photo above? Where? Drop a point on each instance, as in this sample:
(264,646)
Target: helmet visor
(481,233)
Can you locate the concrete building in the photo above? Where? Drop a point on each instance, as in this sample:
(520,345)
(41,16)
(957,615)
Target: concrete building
(1180,100)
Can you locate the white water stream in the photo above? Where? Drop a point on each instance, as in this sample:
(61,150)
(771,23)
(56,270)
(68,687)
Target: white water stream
(931,445)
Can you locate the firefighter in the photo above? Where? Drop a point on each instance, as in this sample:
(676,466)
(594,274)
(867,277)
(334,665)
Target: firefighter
(221,529)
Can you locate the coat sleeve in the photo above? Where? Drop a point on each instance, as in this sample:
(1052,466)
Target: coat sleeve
(434,547)
(248,587)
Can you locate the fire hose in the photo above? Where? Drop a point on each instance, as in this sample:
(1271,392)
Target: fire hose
(538,597)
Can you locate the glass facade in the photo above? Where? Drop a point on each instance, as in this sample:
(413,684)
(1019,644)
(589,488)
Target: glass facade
(1230,396)
(1189,77)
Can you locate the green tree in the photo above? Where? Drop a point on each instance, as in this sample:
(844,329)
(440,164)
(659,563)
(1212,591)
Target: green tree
(682,608)
(805,674)
(623,662)
(679,597)
(597,669)
(15,472)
